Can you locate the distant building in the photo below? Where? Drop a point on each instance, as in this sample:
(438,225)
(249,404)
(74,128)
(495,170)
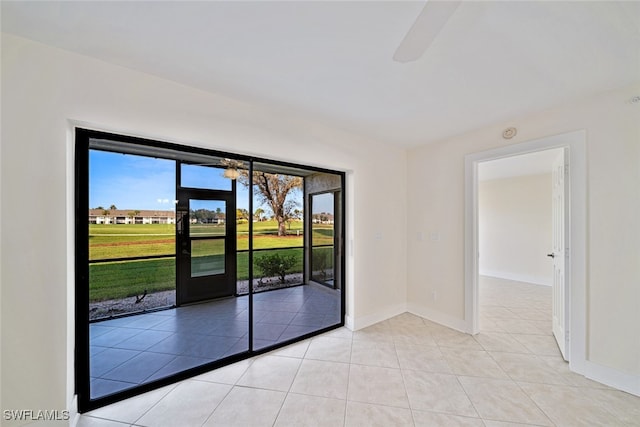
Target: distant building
(322,218)
(131,216)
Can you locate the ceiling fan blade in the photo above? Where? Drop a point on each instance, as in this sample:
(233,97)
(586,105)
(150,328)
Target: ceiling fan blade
(425,29)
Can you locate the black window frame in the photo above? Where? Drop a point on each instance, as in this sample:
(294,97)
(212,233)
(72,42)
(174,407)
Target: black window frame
(81,311)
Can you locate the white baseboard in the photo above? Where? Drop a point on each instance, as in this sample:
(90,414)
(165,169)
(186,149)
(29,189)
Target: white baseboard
(439,317)
(612,377)
(348,322)
(536,280)
(363,321)
(73,412)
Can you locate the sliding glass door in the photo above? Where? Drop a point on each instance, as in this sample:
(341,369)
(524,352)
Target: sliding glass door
(192,259)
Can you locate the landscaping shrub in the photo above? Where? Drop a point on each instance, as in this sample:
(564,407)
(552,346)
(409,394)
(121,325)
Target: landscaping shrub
(276,265)
(320,262)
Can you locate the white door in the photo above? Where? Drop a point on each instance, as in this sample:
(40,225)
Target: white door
(559,255)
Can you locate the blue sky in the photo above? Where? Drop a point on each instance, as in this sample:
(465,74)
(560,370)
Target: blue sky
(138,182)
(323,203)
(131,182)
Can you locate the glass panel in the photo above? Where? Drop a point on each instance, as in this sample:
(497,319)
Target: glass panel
(207,218)
(133,199)
(207,257)
(144,190)
(322,238)
(278,259)
(208,177)
(132,217)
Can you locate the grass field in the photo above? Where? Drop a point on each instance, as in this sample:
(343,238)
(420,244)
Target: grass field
(111,280)
(132,240)
(124,279)
(127,279)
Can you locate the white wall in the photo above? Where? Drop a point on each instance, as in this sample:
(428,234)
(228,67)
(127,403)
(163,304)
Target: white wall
(436,185)
(43,88)
(514,228)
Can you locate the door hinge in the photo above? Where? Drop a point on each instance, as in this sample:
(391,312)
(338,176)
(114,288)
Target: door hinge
(566,169)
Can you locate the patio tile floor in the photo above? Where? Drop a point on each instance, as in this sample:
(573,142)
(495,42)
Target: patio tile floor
(129,351)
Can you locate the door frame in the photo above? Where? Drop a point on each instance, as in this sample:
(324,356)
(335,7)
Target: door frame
(559,230)
(111,141)
(183,238)
(335,259)
(574,144)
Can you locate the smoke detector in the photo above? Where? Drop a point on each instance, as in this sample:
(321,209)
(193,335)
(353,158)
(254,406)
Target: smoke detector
(509,133)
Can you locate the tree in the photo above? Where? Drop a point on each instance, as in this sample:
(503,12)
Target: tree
(112,208)
(273,190)
(242,214)
(258,214)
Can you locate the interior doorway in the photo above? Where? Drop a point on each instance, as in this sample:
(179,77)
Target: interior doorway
(575,272)
(521,232)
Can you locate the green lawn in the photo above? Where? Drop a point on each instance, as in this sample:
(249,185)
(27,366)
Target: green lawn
(113,280)
(134,240)
(322,234)
(270,227)
(130,278)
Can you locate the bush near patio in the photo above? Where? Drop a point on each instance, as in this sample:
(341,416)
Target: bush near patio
(272,265)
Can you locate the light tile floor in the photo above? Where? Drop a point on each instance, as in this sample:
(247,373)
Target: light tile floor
(405,371)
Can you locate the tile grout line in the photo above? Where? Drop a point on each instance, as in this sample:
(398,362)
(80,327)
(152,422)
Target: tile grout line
(171,388)
(404,383)
(219,403)
(275,420)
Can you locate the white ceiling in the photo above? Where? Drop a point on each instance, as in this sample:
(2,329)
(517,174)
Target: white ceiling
(332,61)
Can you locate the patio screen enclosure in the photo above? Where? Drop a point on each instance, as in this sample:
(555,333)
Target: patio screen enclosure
(189,259)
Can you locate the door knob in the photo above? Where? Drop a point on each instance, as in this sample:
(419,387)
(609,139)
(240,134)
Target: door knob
(551,255)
